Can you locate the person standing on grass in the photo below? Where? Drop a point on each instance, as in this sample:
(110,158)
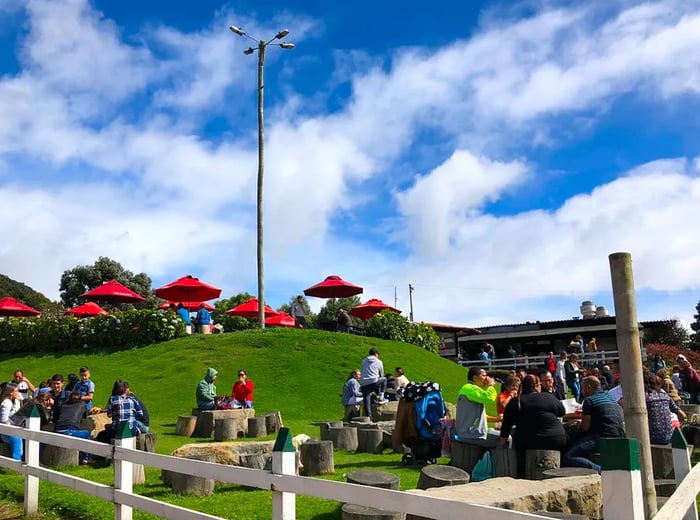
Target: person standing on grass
(299,313)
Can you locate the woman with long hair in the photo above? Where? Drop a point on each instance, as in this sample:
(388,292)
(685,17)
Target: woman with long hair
(537,419)
(10,403)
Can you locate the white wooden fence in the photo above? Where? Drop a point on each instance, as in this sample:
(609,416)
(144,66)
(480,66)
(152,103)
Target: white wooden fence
(281,481)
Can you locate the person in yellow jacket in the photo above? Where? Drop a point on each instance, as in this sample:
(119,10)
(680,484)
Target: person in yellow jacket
(471,422)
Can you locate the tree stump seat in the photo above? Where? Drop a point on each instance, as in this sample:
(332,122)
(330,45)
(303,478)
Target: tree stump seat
(465,455)
(538,461)
(257,426)
(53,456)
(372,478)
(370,440)
(225,429)
(344,438)
(439,475)
(325,426)
(183,484)
(360,512)
(317,457)
(186,425)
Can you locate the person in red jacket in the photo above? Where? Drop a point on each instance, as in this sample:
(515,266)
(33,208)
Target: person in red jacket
(242,391)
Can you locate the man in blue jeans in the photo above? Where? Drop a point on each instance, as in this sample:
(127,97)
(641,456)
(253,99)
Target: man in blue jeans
(601,417)
(372,381)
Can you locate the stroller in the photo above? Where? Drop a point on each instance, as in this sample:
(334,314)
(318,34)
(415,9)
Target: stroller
(424,407)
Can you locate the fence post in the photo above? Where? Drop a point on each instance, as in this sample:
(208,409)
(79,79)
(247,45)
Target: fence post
(123,471)
(681,467)
(621,479)
(283,463)
(31,457)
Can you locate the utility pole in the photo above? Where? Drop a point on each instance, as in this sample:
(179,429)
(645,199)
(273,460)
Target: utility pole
(396,300)
(410,300)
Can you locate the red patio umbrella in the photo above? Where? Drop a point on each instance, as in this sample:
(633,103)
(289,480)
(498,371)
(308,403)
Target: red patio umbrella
(11,307)
(190,306)
(249,309)
(370,308)
(112,292)
(85,310)
(281,319)
(188,289)
(333,287)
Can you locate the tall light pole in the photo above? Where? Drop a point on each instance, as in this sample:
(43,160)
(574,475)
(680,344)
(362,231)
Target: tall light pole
(261,45)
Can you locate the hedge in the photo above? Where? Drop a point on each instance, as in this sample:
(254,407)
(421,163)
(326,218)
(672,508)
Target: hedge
(120,329)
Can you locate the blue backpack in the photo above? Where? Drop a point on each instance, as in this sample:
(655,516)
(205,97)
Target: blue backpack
(429,410)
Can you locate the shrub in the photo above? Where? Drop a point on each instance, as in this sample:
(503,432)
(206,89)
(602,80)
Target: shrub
(389,325)
(669,353)
(121,329)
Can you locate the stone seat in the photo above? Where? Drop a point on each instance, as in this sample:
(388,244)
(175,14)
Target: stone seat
(574,495)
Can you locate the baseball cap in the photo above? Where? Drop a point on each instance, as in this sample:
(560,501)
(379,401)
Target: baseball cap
(681,357)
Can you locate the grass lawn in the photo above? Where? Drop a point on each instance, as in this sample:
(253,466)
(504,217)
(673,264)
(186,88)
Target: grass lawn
(298,372)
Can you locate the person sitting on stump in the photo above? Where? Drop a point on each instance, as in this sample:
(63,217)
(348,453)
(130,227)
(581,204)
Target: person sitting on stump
(121,409)
(206,390)
(471,422)
(242,391)
(352,395)
(601,418)
(70,414)
(536,416)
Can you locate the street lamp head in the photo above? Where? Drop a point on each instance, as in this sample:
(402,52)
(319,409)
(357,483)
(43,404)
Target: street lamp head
(282,34)
(287,45)
(236,30)
(249,51)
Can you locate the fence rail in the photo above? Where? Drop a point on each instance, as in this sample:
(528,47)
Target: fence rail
(533,362)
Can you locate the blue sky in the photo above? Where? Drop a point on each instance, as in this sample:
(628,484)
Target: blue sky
(491,154)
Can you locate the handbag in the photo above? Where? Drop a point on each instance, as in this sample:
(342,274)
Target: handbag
(484,469)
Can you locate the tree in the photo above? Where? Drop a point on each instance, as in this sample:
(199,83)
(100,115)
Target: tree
(232,323)
(28,296)
(81,278)
(695,338)
(671,332)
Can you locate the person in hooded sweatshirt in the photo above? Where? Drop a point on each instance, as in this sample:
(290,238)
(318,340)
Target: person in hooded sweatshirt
(206,390)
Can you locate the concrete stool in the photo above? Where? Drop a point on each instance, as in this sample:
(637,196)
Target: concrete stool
(435,475)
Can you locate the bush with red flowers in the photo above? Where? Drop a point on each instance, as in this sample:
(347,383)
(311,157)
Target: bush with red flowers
(669,353)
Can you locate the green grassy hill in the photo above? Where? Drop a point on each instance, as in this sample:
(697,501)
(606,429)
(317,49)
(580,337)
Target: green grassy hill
(298,372)
(27,295)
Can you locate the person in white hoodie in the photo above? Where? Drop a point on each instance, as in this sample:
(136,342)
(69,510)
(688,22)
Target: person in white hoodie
(10,403)
(372,381)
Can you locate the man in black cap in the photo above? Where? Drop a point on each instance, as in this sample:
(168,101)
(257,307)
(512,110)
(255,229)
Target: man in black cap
(372,381)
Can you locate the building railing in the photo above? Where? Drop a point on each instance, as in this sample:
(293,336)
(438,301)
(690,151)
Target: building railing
(535,362)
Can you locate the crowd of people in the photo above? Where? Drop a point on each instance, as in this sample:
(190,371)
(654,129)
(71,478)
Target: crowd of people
(530,410)
(64,406)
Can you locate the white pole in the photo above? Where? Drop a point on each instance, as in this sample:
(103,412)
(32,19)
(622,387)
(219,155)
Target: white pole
(681,467)
(621,479)
(123,472)
(283,463)
(31,483)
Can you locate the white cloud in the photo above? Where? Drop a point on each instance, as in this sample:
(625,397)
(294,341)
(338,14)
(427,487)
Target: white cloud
(144,183)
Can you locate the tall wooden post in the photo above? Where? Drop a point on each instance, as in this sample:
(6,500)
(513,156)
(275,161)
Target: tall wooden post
(635,408)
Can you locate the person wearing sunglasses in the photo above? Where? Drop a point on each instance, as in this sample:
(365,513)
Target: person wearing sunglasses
(242,391)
